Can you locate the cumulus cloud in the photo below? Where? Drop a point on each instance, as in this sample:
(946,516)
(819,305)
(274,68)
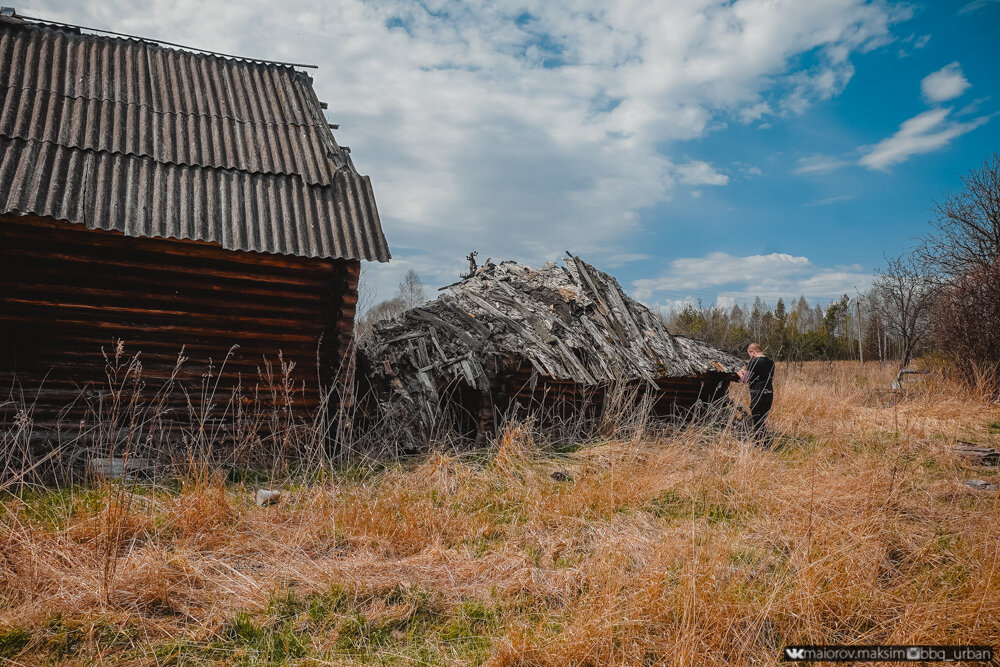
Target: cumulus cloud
(744,277)
(521,132)
(945,84)
(698,172)
(755,112)
(923,133)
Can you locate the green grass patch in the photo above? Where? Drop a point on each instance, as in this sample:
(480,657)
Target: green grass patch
(671,506)
(668,505)
(744,558)
(338,623)
(468,633)
(74,637)
(480,546)
(324,606)
(13,641)
(264,644)
(55,509)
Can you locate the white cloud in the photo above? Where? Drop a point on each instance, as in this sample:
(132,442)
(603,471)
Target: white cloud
(820,164)
(827,201)
(521,134)
(915,41)
(976,5)
(720,274)
(945,84)
(755,112)
(698,172)
(923,133)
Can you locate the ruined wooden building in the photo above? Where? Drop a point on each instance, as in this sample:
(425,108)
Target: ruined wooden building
(510,336)
(169,199)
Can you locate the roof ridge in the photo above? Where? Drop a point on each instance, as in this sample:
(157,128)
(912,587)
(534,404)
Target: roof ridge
(31,22)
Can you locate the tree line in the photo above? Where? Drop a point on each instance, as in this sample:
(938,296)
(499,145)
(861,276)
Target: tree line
(941,297)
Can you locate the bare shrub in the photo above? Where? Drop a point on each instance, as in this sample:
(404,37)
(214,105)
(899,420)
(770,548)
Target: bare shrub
(903,295)
(965,326)
(968,224)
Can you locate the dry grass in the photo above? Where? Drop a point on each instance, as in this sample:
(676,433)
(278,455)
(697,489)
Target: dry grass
(688,548)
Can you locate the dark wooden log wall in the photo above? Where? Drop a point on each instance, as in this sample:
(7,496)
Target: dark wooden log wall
(673,395)
(66,292)
(512,392)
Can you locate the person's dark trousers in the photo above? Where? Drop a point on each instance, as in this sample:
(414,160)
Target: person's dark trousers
(760,405)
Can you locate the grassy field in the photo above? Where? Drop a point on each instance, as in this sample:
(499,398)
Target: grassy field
(673,547)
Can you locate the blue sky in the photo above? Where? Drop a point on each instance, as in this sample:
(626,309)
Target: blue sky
(695,149)
(817,196)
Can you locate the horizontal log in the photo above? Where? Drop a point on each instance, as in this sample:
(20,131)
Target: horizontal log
(148,316)
(141,331)
(197,297)
(168,272)
(34,228)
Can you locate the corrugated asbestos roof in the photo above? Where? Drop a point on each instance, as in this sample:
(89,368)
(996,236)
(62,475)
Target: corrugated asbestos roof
(127,135)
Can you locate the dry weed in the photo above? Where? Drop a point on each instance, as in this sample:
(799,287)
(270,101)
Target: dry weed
(685,547)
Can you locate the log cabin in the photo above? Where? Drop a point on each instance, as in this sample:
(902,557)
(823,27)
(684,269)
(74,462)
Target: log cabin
(164,199)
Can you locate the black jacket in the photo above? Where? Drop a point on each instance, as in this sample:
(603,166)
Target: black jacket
(761,372)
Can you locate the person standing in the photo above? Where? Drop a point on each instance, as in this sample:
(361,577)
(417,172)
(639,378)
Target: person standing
(759,375)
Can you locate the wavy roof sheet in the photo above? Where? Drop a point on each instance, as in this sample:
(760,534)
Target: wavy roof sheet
(128,135)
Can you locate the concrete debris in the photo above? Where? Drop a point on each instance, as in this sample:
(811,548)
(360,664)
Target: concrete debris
(117,467)
(267,496)
(981,485)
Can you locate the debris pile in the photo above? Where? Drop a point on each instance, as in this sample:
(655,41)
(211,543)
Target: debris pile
(510,334)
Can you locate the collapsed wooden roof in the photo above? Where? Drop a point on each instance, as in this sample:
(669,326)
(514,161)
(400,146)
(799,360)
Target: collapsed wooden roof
(571,323)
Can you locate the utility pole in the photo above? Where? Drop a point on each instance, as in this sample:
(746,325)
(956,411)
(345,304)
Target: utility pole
(861,354)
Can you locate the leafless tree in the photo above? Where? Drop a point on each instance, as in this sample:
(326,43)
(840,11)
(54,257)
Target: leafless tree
(383,310)
(411,290)
(968,224)
(903,295)
(966,325)
(409,294)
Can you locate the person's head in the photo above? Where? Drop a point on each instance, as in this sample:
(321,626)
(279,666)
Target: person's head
(753,349)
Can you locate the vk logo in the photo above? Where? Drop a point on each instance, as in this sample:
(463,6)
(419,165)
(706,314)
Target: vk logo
(795,653)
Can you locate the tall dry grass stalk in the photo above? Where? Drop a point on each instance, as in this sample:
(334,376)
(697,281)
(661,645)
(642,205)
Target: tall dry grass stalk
(684,545)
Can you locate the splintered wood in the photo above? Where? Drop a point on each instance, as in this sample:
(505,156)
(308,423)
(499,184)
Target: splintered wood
(509,325)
